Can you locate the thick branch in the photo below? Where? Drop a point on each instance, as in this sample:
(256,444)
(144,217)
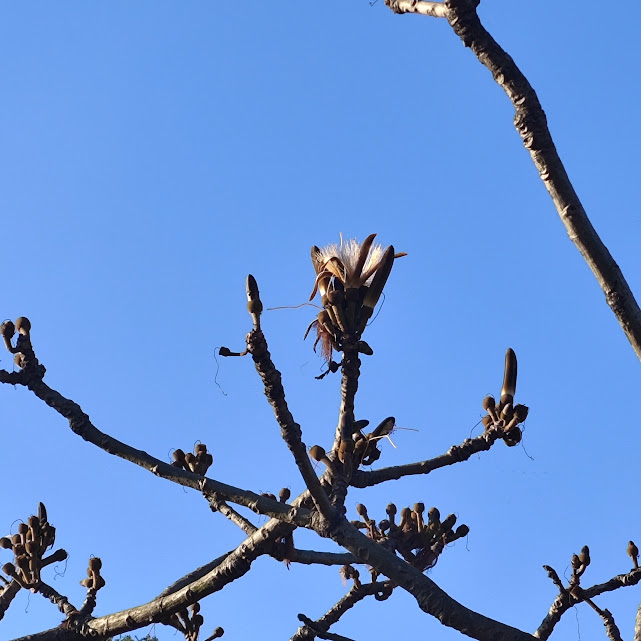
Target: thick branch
(456,454)
(531,123)
(430,598)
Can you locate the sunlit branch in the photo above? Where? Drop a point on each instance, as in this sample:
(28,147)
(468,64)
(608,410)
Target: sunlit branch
(433,9)
(81,424)
(531,123)
(456,454)
(275,393)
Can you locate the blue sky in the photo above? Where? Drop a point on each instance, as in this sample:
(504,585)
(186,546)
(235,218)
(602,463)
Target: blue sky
(154,153)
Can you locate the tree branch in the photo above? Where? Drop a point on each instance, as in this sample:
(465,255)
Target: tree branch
(456,454)
(433,9)
(275,393)
(81,424)
(357,593)
(531,123)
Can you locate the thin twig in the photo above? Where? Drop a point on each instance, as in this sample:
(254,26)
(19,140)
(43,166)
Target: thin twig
(218,505)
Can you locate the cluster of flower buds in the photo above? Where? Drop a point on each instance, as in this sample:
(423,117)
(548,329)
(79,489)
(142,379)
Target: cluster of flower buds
(198,462)
(189,621)
(23,350)
(419,541)
(350,278)
(28,546)
(580,562)
(94,580)
(504,415)
(366,450)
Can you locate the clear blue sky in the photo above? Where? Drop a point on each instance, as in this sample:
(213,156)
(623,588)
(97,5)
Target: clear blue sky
(154,153)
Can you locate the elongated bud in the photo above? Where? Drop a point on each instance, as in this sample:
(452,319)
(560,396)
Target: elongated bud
(254,305)
(42,512)
(576,562)
(509,377)
(633,553)
(384,428)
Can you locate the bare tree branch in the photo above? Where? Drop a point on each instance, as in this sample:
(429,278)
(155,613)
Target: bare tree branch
(434,9)
(272,381)
(81,424)
(357,593)
(567,599)
(637,625)
(456,454)
(531,123)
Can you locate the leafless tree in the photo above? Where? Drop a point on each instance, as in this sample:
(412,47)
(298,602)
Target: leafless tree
(395,549)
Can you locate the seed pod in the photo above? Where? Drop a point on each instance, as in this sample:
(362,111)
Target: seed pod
(633,553)
(433,516)
(284,494)
(9,569)
(361,425)
(486,421)
(489,403)
(200,448)
(95,564)
(5,543)
(462,530)
(576,562)
(87,583)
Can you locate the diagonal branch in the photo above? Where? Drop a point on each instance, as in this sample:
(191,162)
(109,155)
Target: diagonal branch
(456,454)
(275,393)
(81,424)
(565,599)
(357,593)
(531,124)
